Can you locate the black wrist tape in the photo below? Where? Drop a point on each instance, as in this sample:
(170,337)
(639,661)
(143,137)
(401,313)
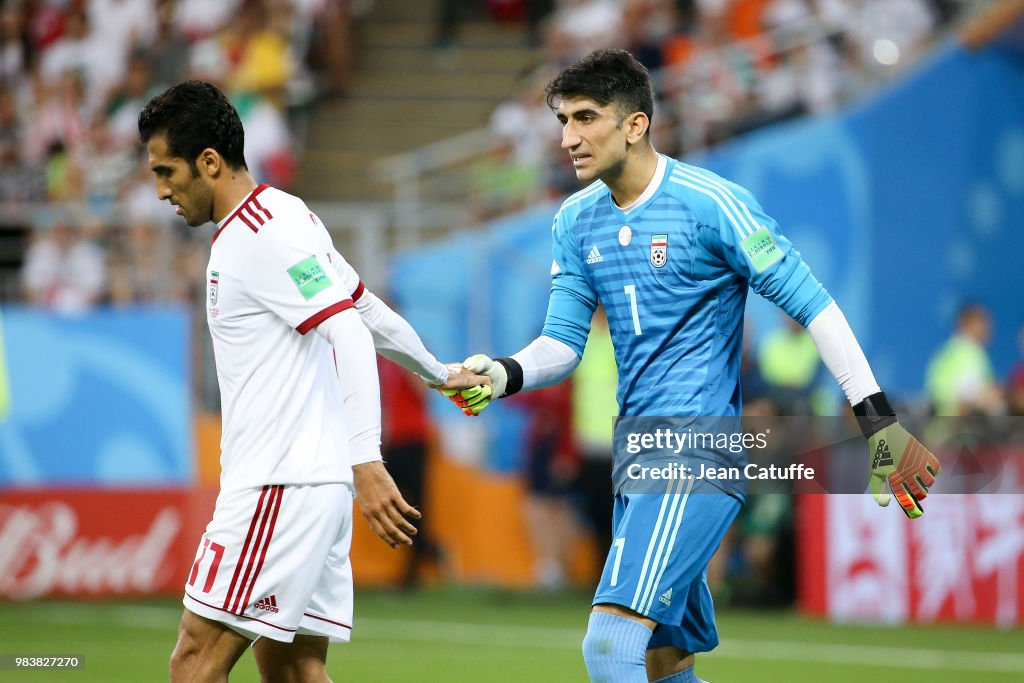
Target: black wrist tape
(513,375)
(874,413)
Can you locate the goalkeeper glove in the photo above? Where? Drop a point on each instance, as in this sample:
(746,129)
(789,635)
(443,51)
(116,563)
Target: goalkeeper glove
(899,462)
(506,377)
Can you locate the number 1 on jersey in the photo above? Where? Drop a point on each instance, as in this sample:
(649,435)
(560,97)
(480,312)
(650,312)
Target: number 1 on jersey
(631,293)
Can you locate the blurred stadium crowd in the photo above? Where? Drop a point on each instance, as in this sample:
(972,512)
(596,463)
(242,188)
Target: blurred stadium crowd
(721,68)
(74,74)
(73,77)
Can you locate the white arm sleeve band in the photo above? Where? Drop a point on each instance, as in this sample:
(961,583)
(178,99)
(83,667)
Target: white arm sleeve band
(842,354)
(395,339)
(546,361)
(357,371)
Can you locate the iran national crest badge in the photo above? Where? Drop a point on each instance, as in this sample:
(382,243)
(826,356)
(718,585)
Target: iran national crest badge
(214,283)
(659,250)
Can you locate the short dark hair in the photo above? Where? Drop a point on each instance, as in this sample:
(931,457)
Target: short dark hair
(606,76)
(194,115)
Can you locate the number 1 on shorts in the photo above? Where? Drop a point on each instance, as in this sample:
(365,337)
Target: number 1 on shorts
(618,544)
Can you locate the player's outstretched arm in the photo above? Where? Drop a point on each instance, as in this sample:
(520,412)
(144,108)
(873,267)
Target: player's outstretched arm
(899,463)
(395,339)
(378,497)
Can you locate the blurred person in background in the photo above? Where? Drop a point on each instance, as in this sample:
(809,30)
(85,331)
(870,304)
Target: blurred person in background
(104,165)
(524,120)
(502,182)
(62,271)
(405,446)
(1015,381)
(646,26)
(144,268)
(550,471)
(10,128)
(121,108)
(199,19)
(14,45)
(593,414)
(959,379)
(587,25)
(258,52)
(123,27)
(167,53)
(57,117)
(790,368)
(19,181)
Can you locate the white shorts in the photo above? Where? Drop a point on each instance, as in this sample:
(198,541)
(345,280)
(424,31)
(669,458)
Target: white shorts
(274,561)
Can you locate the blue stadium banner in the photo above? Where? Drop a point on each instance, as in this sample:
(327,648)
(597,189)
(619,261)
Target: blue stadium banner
(99,399)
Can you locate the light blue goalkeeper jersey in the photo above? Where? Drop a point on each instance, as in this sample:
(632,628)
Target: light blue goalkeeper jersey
(673,275)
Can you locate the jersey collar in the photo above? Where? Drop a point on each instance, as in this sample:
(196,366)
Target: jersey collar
(234,212)
(652,187)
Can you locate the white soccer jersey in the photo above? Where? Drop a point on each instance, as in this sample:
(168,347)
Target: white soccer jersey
(271,280)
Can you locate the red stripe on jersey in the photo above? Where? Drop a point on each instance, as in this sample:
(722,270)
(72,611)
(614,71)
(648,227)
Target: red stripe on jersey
(252,196)
(317,318)
(259,206)
(238,606)
(252,212)
(266,544)
(245,220)
(245,548)
(336,623)
(358,292)
(241,616)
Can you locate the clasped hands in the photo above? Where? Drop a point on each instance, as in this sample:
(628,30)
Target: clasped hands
(473,383)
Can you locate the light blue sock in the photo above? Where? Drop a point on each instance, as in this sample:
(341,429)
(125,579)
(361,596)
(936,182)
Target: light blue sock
(615,649)
(684,676)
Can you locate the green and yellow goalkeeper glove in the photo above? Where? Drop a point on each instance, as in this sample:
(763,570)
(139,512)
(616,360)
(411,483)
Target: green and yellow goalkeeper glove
(473,400)
(899,463)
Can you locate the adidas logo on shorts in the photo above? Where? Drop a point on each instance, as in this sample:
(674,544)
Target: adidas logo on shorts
(268,603)
(666,597)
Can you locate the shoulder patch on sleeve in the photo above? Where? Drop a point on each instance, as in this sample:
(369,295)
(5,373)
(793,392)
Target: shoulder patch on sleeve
(309,277)
(761,248)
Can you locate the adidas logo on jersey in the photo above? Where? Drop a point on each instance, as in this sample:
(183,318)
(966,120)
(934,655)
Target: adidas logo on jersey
(268,603)
(594,256)
(666,598)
